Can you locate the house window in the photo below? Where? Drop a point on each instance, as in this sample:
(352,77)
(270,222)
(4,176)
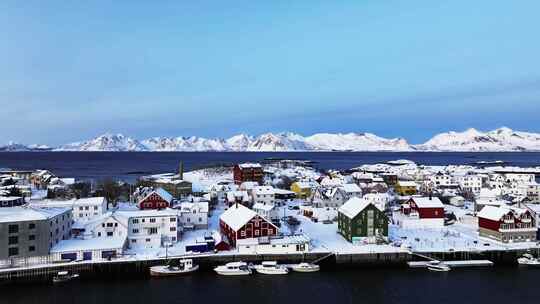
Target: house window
(95,208)
(13,228)
(135,221)
(99,234)
(152,230)
(109,233)
(31,248)
(133,241)
(152,220)
(148,240)
(31,226)
(173,219)
(200,219)
(31,237)
(243,234)
(13,251)
(135,231)
(13,240)
(172,229)
(109,224)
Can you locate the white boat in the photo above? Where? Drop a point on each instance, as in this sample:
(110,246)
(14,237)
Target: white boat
(305,267)
(64,276)
(529,260)
(438,266)
(184,267)
(233,269)
(271,267)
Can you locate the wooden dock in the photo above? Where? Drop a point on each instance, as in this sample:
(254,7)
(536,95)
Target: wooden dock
(453,264)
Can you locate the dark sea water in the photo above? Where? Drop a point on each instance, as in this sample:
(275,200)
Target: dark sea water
(130,165)
(419,286)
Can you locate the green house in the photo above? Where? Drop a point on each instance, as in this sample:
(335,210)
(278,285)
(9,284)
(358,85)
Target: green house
(358,218)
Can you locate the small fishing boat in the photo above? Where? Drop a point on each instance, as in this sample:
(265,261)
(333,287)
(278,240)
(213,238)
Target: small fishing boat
(233,269)
(64,276)
(528,260)
(305,267)
(184,267)
(438,266)
(271,267)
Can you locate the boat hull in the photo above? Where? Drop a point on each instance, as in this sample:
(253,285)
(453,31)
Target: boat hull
(225,272)
(163,271)
(263,270)
(312,268)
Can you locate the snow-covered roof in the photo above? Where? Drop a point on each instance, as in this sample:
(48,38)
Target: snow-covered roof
(237,216)
(264,190)
(75,245)
(353,207)
(307,185)
(21,214)
(407,184)
(146,213)
(282,191)
(249,165)
(427,202)
(351,188)
(493,213)
(264,207)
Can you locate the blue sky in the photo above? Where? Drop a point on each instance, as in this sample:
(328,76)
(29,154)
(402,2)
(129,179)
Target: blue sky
(72,71)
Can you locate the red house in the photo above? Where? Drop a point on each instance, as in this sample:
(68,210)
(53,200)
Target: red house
(421,212)
(506,224)
(240,222)
(424,207)
(157,199)
(248,173)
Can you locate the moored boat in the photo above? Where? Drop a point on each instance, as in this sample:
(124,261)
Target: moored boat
(528,260)
(64,276)
(305,267)
(184,267)
(271,267)
(233,269)
(438,266)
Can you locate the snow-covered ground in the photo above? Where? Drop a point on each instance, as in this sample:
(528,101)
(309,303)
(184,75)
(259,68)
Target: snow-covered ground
(203,179)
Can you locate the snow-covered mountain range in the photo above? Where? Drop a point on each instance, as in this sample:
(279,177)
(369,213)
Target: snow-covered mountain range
(502,139)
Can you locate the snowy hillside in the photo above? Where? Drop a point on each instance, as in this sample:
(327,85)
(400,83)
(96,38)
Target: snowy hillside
(471,140)
(502,139)
(356,142)
(106,142)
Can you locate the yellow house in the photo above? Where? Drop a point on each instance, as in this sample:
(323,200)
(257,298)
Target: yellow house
(303,189)
(405,188)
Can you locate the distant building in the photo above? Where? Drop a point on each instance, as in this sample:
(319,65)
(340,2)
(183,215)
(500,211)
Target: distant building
(248,172)
(359,218)
(30,232)
(507,224)
(11,201)
(155,199)
(406,188)
(303,189)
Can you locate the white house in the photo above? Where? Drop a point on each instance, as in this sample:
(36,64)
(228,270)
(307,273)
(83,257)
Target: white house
(263,195)
(107,225)
(150,228)
(470,183)
(193,214)
(84,209)
(268,211)
(333,197)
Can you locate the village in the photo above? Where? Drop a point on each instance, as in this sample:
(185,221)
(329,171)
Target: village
(281,207)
